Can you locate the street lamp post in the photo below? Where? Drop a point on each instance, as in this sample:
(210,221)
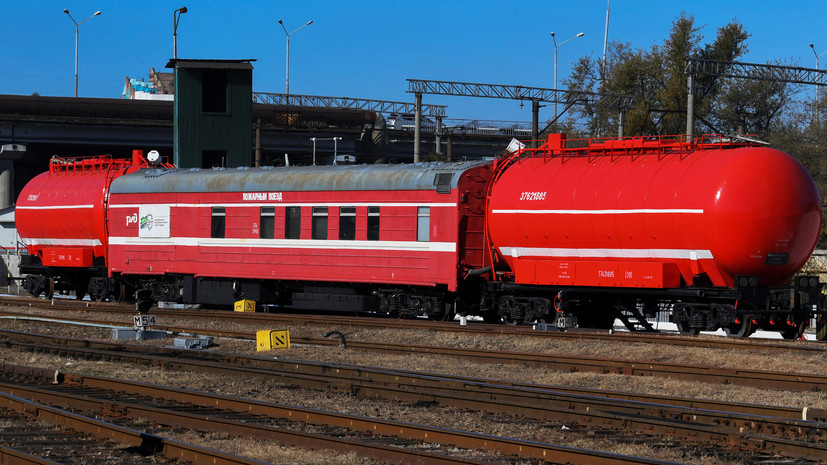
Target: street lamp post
(287,78)
(605,41)
(818,101)
(176,17)
(77,33)
(556,46)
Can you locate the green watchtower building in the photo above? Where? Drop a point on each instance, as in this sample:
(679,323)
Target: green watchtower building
(213,113)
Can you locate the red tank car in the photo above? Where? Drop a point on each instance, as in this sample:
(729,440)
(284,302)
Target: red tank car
(61,218)
(655,217)
(650,213)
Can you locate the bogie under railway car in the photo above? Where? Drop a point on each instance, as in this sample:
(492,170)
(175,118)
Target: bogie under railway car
(576,232)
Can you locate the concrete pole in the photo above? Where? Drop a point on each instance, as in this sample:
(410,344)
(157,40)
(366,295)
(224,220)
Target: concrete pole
(690,107)
(6,183)
(77,33)
(258,142)
(621,122)
(417,126)
(438,133)
(535,122)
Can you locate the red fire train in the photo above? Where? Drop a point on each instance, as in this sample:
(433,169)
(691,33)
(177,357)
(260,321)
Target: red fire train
(578,232)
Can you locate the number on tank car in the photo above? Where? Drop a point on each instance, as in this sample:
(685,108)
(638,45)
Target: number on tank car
(533,196)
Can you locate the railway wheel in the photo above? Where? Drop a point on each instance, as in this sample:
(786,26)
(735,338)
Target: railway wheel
(795,328)
(742,329)
(491,316)
(122,293)
(685,329)
(81,289)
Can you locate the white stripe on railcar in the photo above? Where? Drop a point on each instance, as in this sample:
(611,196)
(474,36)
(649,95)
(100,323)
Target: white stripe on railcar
(60,242)
(286,243)
(604,212)
(286,204)
(684,254)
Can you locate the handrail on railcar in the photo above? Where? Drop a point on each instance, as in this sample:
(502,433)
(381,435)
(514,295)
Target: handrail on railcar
(557,145)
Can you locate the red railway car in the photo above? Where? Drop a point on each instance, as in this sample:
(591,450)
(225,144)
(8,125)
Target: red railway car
(61,218)
(350,238)
(679,221)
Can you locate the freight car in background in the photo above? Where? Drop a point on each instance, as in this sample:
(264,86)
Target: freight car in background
(578,233)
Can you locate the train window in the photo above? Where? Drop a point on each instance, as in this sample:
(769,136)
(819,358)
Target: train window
(442,181)
(423,224)
(319,225)
(347,223)
(267,226)
(373,223)
(293,223)
(217,223)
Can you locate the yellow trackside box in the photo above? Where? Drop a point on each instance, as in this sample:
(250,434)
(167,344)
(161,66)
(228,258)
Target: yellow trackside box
(245,306)
(271,339)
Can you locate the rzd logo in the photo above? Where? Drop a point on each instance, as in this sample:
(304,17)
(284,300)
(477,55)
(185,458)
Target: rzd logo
(146,222)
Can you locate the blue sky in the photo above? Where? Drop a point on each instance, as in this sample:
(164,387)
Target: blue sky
(366,49)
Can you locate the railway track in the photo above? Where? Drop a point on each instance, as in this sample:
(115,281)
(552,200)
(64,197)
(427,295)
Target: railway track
(701,373)
(61,437)
(260,318)
(814,414)
(394,442)
(752,432)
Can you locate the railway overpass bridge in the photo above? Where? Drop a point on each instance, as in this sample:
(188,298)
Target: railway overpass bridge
(65,126)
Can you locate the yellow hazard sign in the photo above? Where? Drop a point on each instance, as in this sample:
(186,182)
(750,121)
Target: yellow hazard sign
(245,306)
(272,339)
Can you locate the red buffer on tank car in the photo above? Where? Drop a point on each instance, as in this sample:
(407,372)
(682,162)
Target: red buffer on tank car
(711,229)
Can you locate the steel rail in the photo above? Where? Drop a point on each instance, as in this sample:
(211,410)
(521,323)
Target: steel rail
(9,456)
(812,414)
(529,402)
(240,429)
(463,439)
(147,443)
(708,374)
(714,375)
(716,342)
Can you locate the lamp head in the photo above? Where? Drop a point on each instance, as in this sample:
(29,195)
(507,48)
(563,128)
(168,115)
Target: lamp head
(97,13)
(309,23)
(67,12)
(811,45)
(280,22)
(552,34)
(581,34)
(183,10)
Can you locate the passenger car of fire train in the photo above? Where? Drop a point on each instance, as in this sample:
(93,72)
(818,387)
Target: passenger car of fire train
(576,232)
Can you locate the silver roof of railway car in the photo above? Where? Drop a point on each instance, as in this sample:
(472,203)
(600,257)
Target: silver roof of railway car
(420,176)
